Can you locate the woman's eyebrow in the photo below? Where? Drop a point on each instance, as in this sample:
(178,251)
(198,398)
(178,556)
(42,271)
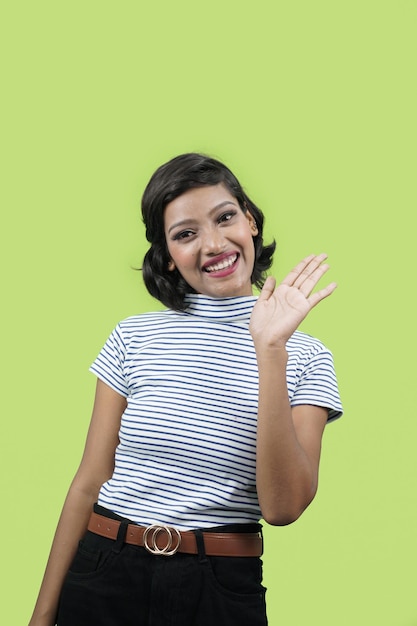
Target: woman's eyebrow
(222,204)
(189,220)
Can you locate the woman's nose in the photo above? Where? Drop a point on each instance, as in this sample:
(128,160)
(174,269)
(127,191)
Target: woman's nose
(214,241)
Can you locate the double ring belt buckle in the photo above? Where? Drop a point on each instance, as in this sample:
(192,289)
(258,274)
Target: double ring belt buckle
(151,535)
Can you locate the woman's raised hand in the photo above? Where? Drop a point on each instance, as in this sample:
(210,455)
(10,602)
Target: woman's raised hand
(281,309)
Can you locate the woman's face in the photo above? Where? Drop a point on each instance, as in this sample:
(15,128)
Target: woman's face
(210,241)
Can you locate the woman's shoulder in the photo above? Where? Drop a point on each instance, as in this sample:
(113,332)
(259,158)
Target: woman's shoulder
(146,321)
(303,343)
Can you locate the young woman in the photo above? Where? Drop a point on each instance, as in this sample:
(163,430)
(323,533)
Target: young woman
(208,417)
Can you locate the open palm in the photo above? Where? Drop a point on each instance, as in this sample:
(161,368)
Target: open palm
(281,309)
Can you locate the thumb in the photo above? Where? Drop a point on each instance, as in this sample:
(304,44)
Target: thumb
(268,289)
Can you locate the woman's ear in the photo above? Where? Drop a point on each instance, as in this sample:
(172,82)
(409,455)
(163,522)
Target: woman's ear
(171,265)
(252,223)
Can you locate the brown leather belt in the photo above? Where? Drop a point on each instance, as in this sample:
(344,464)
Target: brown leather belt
(166,540)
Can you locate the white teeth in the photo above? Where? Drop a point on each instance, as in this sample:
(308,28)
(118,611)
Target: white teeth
(221,265)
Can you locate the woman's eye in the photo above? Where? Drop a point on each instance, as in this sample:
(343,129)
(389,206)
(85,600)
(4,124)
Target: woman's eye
(183,235)
(225,217)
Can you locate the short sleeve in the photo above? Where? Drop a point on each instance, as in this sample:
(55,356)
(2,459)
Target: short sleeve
(109,365)
(317,385)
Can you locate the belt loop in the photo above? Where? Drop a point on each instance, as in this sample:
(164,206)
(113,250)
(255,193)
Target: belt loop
(121,534)
(200,546)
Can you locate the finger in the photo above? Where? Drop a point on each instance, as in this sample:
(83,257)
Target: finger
(310,269)
(320,295)
(298,270)
(308,282)
(268,289)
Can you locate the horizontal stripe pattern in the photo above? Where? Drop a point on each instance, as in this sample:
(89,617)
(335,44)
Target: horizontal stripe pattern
(186,455)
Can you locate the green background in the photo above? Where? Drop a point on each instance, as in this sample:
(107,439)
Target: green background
(313,105)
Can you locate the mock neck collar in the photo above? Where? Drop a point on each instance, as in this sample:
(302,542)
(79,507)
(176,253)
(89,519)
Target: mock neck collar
(232,309)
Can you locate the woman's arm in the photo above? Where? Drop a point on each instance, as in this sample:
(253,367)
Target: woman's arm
(288,440)
(96,467)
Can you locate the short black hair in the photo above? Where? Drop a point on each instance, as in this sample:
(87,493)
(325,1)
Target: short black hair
(170,180)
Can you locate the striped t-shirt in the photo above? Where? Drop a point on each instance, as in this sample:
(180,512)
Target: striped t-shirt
(186,455)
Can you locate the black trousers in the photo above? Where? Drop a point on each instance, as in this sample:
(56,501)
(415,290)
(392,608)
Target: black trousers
(111,583)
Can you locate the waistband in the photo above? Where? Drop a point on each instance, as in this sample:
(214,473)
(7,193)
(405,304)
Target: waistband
(163,540)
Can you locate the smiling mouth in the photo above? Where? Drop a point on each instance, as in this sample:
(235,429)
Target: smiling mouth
(222,265)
